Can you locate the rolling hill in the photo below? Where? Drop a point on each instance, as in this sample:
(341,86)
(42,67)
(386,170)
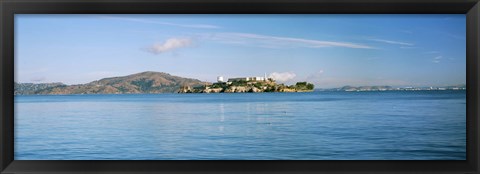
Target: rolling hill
(144,82)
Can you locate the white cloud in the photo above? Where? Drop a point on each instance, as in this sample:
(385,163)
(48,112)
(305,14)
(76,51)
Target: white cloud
(200,26)
(168,45)
(266,41)
(282,76)
(392,42)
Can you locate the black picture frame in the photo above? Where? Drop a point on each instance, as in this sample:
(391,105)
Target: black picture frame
(8,8)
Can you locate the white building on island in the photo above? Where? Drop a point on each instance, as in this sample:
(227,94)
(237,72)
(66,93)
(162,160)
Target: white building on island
(248,79)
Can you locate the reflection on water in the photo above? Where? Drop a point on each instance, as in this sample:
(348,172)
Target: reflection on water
(321,125)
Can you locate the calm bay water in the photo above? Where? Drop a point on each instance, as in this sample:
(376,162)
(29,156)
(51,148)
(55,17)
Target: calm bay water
(394,125)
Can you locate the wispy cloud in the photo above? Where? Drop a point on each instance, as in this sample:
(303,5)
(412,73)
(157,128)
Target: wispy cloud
(282,76)
(101,74)
(147,21)
(460,37)
(432,52)
(169,45)
(38,79)
(330,82)
(267,41)
(406,31)
(437,59)
(323,80)
(315,76)
(393,42)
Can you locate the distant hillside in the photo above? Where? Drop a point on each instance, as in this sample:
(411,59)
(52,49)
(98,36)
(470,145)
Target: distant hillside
(389,88)
(30,88)
(145,82)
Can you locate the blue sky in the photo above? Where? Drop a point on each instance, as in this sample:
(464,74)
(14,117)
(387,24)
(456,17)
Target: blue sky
(327,50)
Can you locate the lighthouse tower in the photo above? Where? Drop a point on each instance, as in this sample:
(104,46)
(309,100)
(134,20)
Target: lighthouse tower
(265,77)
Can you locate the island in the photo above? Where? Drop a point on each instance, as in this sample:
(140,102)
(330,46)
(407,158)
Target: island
(247,84)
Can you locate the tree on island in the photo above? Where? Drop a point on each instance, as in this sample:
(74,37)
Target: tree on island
(304,86)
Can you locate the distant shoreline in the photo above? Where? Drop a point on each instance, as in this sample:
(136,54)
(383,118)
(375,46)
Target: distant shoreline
(316,90)
(150,82)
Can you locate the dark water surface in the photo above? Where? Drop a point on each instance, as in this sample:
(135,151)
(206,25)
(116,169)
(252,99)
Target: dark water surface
(394,125)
